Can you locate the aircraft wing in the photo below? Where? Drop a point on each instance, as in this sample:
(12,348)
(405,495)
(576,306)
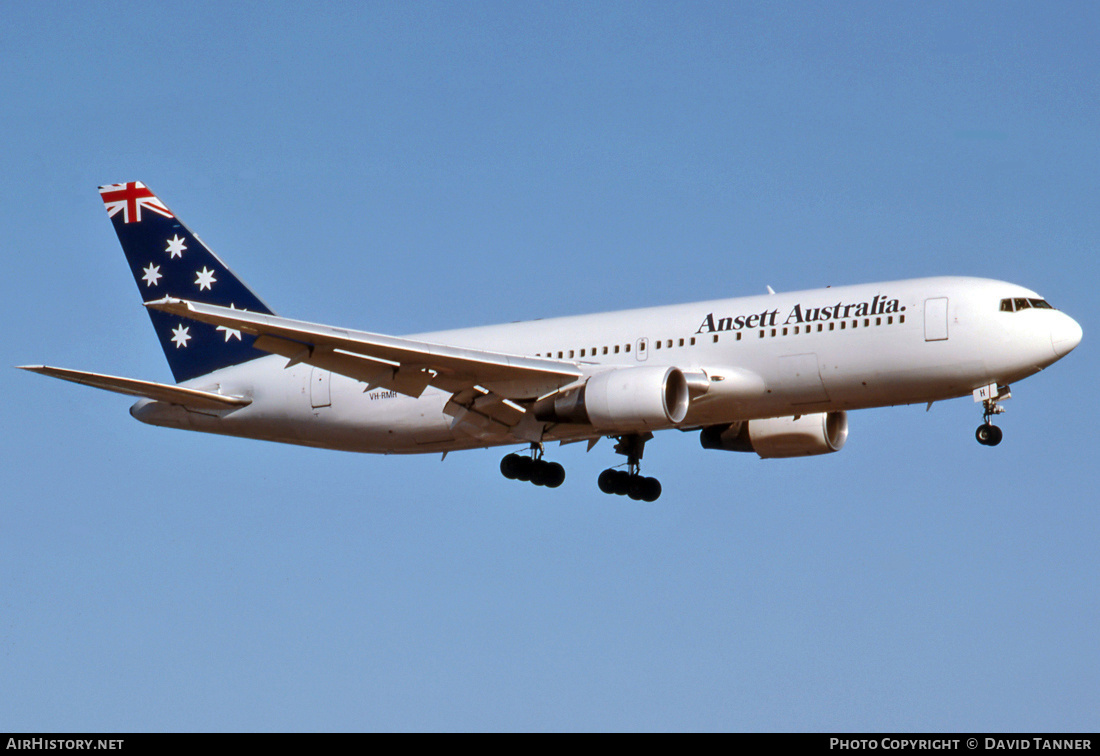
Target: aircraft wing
(404,365)
(162,392)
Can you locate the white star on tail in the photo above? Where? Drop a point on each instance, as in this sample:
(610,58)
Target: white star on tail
(176,247)
(205,278)
(230,331)
(180,336)
(152,275)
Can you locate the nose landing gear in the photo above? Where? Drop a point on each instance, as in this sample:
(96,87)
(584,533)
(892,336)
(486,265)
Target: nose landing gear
(987,433)
(630,482)
(533,469)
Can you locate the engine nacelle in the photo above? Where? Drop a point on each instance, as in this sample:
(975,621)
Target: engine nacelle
(801,436)
(627,399)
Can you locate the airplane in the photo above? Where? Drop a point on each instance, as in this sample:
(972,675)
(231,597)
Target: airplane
(774,374)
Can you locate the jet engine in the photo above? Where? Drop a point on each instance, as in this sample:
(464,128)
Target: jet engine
(798,436)
(626,399)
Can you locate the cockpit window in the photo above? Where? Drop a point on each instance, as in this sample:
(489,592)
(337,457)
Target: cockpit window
(1023,303)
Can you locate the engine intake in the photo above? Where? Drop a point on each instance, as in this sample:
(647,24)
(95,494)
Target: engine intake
(801,436)
(628,399)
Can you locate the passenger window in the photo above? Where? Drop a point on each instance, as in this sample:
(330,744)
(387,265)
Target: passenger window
(657,344)
(616,349)
(681,342)
(627,348)
(693,341)
(738,336)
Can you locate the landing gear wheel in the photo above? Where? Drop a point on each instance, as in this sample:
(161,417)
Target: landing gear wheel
(988,434)
(509,466)
(538,473)
(651,490)
(525,468)
(555,475)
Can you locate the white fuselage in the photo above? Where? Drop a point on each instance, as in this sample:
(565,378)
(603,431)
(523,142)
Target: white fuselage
(793,353)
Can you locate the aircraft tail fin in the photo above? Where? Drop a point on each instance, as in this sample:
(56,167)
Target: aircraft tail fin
(168,259)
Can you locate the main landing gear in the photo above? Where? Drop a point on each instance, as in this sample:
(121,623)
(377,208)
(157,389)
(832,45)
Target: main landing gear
(989,434)
(533,468)
(630,482)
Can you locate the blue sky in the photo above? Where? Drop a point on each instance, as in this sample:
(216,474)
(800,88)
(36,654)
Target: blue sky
(405,167)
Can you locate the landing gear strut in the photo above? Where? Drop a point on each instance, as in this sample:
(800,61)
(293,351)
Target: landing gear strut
(533,469)
(630,482)
(989,434)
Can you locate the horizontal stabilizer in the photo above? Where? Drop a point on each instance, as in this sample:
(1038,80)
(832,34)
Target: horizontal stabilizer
(161,392)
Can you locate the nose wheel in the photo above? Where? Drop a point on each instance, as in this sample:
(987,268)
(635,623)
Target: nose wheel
(533,468)
(630,482)
(988,434)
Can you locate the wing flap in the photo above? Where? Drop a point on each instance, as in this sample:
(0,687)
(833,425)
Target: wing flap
(161,392)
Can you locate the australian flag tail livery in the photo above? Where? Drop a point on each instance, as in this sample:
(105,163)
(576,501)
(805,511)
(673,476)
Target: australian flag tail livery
(168,260)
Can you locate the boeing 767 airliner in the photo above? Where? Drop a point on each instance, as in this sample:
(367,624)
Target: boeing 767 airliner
(773,374)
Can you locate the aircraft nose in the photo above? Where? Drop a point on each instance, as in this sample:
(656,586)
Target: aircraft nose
(1065,335)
